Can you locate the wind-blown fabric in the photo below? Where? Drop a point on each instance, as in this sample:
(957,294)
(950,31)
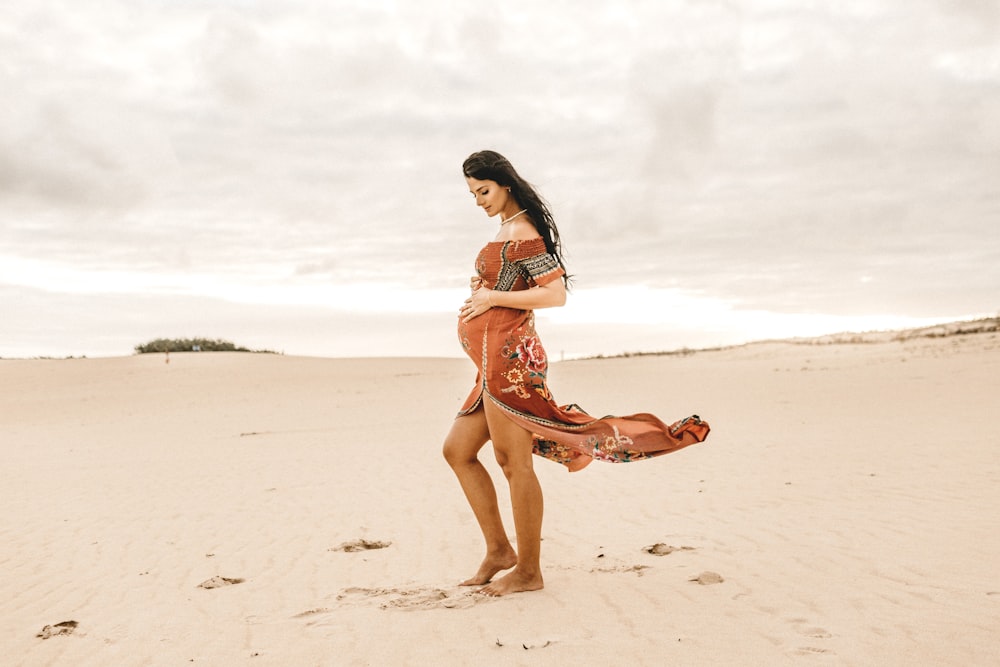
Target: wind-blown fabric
(512,367)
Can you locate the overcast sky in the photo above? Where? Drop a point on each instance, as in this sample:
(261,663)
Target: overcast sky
(287,174)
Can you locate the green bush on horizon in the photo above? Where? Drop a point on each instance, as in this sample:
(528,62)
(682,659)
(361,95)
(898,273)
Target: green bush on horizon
(191,344)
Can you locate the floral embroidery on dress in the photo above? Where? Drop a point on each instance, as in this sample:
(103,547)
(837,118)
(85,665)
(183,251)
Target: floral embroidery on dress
(515,376)
(531,353)
(554,451)
(529,367)
(517,385)
(613,448)
(513,366)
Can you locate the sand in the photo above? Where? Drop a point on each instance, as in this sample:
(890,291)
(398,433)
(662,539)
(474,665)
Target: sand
(230,509)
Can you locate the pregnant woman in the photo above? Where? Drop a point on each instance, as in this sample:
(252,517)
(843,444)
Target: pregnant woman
(520,270)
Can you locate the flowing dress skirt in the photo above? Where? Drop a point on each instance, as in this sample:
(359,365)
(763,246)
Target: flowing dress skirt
(512,367)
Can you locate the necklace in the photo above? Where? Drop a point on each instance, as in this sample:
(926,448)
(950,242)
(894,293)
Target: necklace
(504,222)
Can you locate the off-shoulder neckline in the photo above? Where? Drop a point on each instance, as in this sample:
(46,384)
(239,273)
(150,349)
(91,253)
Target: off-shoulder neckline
(536,238)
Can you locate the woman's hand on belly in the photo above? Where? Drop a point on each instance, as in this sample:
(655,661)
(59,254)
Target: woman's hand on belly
(478,303)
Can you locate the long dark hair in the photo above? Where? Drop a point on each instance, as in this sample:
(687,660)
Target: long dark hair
(491,166)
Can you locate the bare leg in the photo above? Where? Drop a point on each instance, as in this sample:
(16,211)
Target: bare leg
(461,449)
(513,449)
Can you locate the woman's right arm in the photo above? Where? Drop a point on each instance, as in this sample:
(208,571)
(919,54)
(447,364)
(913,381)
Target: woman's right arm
(550,295)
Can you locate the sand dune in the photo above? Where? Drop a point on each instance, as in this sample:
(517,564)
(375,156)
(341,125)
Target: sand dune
(230,508)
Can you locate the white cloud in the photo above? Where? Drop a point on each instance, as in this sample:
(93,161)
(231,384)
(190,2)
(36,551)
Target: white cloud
(763,154)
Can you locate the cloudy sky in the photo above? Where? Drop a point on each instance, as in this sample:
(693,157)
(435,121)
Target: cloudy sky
(286,174)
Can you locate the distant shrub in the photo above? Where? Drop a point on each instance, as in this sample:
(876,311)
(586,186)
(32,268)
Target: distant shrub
(191,345)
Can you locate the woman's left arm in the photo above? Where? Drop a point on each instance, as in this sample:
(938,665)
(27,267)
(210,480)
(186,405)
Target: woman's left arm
(549,295)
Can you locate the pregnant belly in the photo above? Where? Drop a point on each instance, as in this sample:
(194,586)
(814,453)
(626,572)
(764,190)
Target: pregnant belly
(498,321)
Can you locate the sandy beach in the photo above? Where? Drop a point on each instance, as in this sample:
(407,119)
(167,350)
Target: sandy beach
(257,509)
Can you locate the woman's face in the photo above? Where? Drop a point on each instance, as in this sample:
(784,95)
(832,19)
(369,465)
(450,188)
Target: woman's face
(493,197)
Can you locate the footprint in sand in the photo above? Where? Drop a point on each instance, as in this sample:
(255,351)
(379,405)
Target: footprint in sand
(313,612)
(412,599)
(661,549)
(815,633)
(64,628)
(218,582)
(803,628)
(360,545)
(707,578)
(638,569)
(811,632)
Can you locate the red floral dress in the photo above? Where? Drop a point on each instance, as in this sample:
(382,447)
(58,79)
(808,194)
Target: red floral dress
(512,368)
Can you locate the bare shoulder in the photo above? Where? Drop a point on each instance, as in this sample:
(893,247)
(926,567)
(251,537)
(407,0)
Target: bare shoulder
(521,230)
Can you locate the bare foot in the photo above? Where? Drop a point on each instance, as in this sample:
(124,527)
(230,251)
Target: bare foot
(514,581)
(490,566)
